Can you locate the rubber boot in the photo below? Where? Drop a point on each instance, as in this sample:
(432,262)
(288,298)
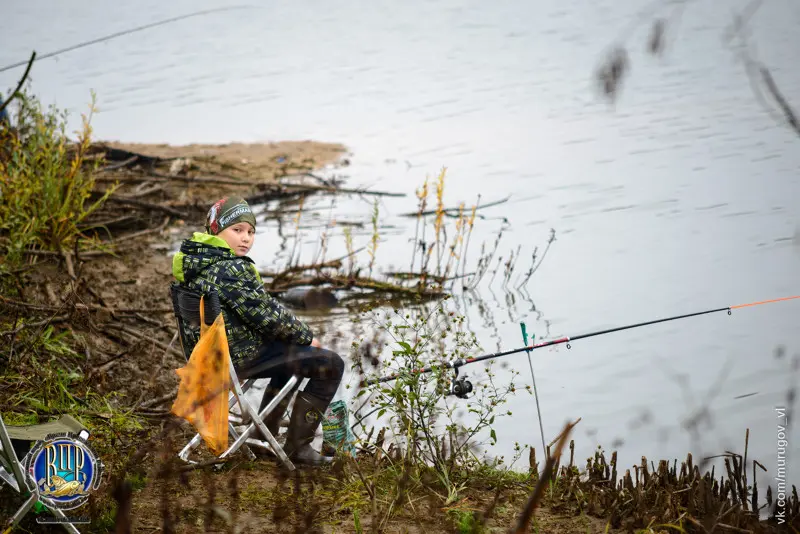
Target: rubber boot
(273,420)
(306,418)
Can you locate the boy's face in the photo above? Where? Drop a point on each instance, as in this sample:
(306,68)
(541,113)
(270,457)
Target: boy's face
(240,237)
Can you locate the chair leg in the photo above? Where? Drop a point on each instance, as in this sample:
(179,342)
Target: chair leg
(198,439)
(253,418)
(235,435)
(257,422)
(69,527)
(24,509)
(8,479)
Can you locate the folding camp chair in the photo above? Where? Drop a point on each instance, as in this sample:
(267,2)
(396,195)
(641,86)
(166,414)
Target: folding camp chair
(186,304)
(12,470)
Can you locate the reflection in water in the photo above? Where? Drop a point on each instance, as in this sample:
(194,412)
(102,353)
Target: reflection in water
(462,306)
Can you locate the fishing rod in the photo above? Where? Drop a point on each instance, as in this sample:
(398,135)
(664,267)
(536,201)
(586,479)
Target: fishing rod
(461,387)
(120,33)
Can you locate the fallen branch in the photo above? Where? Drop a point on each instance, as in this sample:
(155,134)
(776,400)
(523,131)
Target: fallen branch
(407,275)
(154,376)
(279,186)
(125,156)
(453,212)
(320,179)
(123,163)
(142,192)
(361,283)
(147,339)
(38,307)
(106,365)
(117,220)
(157,401)
(300,268)
(141,233)
(322,188)
(147,205)
(273,192)
(334,263)
(152,176)
(59,319)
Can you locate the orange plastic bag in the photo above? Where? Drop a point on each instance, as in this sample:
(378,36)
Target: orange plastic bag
(205,382)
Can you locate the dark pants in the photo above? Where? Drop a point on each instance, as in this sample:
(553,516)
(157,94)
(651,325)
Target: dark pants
(279,361)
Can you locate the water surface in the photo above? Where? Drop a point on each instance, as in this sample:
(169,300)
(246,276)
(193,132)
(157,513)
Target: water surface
(681,197)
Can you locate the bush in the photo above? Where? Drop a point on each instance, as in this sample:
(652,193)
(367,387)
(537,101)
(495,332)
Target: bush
(45,182)
(431,430)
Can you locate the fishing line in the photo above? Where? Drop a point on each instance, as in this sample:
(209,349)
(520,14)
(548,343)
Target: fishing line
(455,364)
(124,32)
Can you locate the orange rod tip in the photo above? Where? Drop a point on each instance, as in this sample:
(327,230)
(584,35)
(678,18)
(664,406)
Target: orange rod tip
(764,302)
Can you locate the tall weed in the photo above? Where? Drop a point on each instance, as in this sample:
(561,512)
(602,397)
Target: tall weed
(46,182)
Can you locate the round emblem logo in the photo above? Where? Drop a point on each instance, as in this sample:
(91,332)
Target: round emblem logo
(65,470)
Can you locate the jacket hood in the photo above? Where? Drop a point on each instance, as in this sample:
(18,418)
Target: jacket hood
(201,251)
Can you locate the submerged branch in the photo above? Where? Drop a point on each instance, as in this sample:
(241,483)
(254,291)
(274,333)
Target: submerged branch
(453,212)
(346,282)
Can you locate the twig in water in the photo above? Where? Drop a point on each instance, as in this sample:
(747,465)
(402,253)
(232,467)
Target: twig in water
(454,212)
(535,266)
(323,189)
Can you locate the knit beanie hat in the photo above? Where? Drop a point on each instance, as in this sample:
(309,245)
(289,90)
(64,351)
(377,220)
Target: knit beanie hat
(228,211)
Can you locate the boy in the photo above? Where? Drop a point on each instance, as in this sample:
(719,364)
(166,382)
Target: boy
(265,340)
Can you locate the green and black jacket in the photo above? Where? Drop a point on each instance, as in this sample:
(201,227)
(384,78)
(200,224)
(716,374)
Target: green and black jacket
(252,317)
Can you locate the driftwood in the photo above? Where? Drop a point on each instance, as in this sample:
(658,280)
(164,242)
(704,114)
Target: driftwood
(327,189)
(453,212)
(147,205)
(156,177)
(347,282)
(114,166)
(335,264)
(125,158)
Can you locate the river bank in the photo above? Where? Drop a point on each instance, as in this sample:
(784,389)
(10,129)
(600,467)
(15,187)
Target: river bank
(88,330)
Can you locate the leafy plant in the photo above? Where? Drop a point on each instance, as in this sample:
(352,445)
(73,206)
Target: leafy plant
(425,423)
(45,182)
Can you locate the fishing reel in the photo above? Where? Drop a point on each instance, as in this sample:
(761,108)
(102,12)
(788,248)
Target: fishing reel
(461,387)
